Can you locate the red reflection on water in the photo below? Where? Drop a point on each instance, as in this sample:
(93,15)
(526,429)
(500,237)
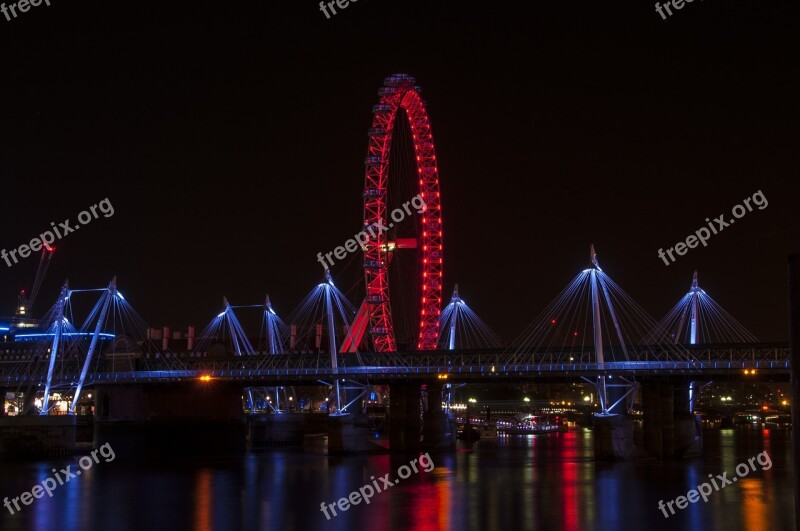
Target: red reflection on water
(569,482)
(431,506)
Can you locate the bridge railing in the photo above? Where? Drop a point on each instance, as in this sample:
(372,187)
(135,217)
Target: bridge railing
(21,368)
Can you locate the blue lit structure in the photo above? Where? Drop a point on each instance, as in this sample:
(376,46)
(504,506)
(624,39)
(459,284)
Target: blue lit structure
(461,328)
(225,328)
(326,308)
(594,317)
(64,338)
(708,322)
(47,349)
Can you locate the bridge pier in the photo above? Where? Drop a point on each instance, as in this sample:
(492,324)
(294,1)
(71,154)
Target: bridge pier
(276,430)
(613,437)
(175,419)
(405,424)
(349,434)
(670,428)
(37,436)
(613,433)
(438,428)
(688,426)
(659,428)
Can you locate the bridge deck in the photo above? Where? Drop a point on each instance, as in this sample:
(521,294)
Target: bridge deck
(770,360)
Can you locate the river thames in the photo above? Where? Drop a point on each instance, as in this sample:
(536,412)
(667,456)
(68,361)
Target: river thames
(535,482)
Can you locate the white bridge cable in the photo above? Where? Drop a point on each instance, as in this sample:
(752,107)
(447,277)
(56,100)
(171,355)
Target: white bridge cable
(224,330)
(564,331)
(309,321)
(461,328)
(714,324)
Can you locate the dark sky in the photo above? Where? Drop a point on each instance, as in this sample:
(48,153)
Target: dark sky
(230,137)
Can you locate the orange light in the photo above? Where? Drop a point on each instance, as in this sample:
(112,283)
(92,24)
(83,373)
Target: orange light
(205,378)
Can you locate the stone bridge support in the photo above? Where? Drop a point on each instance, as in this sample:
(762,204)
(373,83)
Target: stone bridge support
(438,428)
(173,418)
(671,429)
(413,427)
(405,417)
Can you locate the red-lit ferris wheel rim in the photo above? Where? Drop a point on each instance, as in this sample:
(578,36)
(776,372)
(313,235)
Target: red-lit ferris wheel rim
(400,93)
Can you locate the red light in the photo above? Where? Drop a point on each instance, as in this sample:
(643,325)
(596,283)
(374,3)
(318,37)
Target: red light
(552,321)
(575,333)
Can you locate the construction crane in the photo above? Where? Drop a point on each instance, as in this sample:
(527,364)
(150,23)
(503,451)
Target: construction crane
(24,302)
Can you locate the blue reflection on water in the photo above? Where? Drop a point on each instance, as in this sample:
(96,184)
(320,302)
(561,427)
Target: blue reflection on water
(535,482)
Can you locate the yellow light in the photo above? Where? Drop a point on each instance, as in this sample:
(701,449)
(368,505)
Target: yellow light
(205,378)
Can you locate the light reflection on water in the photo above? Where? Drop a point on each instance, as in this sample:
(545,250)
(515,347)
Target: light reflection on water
(537,482)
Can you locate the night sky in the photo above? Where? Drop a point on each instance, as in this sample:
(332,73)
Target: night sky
(230,137)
